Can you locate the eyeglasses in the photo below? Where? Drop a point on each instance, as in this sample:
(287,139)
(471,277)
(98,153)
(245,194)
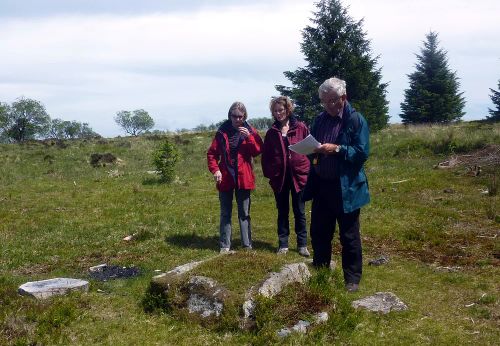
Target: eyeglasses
(331,102)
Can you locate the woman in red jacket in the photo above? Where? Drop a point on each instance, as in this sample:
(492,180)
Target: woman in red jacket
(287,171)
(230,161)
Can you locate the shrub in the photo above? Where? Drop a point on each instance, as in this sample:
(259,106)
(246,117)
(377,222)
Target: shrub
(164,159)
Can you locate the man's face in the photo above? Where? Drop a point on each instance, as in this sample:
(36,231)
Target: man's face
(332,102)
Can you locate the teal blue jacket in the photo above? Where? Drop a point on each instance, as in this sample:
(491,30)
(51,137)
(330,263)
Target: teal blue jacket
(354,141)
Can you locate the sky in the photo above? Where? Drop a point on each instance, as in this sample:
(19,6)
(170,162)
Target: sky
(185,61)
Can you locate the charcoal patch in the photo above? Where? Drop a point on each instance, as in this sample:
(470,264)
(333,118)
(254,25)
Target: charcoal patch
(107,272)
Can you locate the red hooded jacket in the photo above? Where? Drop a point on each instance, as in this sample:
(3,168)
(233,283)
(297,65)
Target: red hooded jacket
(274,160)
(218,159)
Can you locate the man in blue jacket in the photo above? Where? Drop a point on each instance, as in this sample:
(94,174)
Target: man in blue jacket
(337,181)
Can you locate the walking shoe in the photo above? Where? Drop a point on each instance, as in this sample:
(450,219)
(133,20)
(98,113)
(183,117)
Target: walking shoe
(224,250)
(304,252)
(351,287)
(282,251)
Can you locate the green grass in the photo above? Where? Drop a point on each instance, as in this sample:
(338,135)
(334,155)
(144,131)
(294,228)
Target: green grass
(59,216)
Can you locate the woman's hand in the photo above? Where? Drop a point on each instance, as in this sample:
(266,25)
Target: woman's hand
(244,131)
(218,177)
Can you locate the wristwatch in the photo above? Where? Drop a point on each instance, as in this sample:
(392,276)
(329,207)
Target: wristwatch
(337,149)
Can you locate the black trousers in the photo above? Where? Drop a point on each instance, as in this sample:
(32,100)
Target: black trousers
(326,212)
(283,206)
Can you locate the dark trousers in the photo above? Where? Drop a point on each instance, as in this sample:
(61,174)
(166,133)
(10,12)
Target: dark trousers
(283,206)
(326,211)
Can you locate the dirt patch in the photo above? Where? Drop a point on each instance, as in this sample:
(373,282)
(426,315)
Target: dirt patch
(452,252)
(98,160)
(488,156)
(34,269)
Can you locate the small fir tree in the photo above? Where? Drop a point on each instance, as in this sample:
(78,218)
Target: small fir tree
(165,159)
(495,98)
(433,95)
(336,46)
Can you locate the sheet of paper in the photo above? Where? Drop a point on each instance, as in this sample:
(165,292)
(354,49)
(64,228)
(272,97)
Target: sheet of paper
(305,146)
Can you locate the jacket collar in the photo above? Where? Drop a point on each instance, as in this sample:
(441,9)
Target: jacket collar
(292,123)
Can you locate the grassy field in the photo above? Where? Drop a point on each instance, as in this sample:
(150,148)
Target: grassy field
(59,216)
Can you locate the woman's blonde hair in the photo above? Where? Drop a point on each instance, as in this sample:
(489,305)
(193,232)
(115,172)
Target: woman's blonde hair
(285,101)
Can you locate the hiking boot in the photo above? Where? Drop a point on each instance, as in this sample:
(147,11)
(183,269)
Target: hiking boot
(282,251)
(304,252)
(351,287)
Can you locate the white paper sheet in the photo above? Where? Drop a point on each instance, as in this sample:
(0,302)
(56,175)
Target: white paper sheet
(305,146)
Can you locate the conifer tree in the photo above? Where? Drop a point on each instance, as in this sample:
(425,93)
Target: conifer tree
(495,98)
(433,95)
(336,46)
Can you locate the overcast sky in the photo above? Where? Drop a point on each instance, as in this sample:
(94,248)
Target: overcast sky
(186,61)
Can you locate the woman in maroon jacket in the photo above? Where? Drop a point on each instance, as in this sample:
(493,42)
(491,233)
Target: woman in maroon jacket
(287,171)
(229,159)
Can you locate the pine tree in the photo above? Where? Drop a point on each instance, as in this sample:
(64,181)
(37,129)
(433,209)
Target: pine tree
(336,46)
(433,94)
(495,98)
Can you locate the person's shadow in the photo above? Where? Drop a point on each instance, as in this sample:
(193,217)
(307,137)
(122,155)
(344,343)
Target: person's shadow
(195,241)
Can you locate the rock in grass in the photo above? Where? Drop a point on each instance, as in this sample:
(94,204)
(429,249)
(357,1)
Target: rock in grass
(274,284)
(303,326)
(290,273)
(379,261)
(206,296)
(199,295)
(51,287)
(383,302)
(321,317)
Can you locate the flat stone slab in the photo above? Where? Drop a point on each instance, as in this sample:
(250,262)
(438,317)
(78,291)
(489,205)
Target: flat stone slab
(179,270)
(383,302)
(290,273)
(51,287)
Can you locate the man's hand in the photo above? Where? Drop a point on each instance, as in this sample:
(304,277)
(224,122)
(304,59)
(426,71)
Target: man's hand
(327,149)
(244,131)
(218,177)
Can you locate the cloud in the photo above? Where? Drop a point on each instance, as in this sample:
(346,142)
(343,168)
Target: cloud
(467,31)
(185,68)
(186,61)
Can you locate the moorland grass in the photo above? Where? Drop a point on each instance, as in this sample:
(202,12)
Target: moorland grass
(59,216)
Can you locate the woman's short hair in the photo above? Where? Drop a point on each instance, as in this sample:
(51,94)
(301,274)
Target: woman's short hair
(237,106)
(285,101)
(335,84)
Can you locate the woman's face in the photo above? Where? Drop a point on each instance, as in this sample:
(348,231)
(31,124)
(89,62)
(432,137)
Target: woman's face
(279,113)
(237,118)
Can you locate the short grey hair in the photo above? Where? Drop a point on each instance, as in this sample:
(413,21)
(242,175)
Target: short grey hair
(335,84)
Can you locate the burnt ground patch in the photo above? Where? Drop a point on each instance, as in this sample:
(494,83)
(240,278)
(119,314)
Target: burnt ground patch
(111,272)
